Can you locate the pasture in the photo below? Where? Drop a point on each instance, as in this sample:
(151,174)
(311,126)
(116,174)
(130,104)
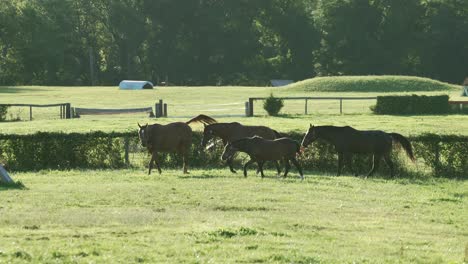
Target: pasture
(213,216)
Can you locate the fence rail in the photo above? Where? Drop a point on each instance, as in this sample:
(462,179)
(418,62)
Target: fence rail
(65,108)
(250,104)
(96,111)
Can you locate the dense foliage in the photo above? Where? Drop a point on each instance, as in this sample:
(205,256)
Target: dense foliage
(73,42)
(3,112)
(412,105)
(273,105)
(441,156)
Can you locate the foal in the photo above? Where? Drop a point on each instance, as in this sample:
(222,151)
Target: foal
(261,150)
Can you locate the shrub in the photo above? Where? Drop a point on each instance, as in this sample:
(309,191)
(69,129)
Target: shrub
(273,105)
(438,155)
(411,105)
(3,112)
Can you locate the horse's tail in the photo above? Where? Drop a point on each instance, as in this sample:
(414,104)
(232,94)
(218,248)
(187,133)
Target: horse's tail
(404,142)
(204,119)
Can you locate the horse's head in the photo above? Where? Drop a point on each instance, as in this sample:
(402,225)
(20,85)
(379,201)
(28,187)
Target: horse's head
(143,134)
(310,136)
(208,134)
(229,151)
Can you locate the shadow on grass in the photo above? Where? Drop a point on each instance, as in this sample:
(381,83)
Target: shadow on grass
(11,90)
(16,185)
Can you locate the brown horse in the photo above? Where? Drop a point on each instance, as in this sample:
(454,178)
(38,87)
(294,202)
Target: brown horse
(261,150)
(174,138)
(229,132)
(348,140)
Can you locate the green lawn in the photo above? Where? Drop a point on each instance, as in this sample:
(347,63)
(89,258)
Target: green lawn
(225,103)
(213,216)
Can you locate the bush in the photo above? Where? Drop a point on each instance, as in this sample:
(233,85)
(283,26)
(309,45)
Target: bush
(411,105)
(438,155)
(273,105)
(3,112)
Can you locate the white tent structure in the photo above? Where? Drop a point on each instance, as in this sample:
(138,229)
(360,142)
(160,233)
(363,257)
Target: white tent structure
(135,85)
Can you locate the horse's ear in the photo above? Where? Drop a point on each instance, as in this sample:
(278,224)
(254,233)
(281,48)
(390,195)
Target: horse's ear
(139,125)
(311,126)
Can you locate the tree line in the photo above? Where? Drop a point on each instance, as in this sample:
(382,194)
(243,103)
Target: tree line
(229,42)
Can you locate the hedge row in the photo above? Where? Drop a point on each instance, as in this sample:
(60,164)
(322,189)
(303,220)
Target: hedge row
(412,105)
(438,155)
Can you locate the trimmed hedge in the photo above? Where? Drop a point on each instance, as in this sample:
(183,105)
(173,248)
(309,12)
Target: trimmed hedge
(412,105)
(438,155)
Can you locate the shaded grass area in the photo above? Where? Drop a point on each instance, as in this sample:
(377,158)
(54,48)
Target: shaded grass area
(382,84)
(125,215)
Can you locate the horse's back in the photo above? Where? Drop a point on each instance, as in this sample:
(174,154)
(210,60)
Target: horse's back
(274,149)
(261,131)
(171,137)
(366,141)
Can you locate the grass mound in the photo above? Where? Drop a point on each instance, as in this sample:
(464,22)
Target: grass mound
(384,83)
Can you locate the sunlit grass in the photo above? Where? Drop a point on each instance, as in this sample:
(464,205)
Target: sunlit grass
(215,216)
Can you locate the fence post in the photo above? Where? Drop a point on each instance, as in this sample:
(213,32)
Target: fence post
(30,113)
(165,110)
(251,107)
(341,105)
(61,111)
(306,101)
(161,107)
(246,108)
(68,114)
(157,110)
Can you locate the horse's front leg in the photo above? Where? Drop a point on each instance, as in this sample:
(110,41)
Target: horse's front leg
(154,158)
(298,167)
(245,166)
(348,158)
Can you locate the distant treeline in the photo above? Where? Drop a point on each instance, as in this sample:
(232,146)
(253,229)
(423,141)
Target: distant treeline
(222,42)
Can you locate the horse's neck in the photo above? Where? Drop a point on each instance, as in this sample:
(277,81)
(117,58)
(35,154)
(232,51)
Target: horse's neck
(333,135)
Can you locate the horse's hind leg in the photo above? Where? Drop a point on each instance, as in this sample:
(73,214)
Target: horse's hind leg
(389,163)
(375,164)
(287,166)
(185,161)
(294,161)
(277,168)
(229,163)
(260,167)
(245,166)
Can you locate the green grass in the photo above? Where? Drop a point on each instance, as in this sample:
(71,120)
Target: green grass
(213,216)
(381,84)
(221,102)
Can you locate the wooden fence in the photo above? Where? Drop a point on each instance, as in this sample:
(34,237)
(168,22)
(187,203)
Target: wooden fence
(65,109)
(96,111)
(250,104)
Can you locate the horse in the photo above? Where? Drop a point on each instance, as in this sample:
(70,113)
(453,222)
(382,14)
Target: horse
(229,132)
(261,150)
(173,138)
(348,141)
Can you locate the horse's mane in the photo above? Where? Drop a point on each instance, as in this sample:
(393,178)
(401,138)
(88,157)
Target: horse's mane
(204,119)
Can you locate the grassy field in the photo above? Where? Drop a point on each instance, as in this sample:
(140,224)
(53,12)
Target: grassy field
(212,216)
(225,103)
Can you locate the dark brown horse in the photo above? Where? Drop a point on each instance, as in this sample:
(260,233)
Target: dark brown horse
(348,141)
(173,138)
(261,150)
(229,132)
